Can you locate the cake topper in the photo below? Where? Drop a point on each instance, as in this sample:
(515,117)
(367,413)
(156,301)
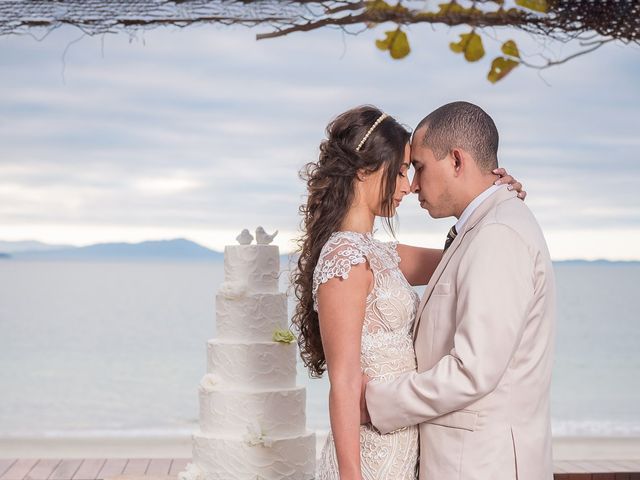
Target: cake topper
(263,238)
(245,238)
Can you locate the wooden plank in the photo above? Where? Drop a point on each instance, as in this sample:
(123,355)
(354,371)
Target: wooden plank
(635,465)
(608,466)
(178,465)
(95,468)
(595,466)
(89,469)
(562,466)
(559,467)
(578,466)
(136,466)
(627,466)
(19,469)
(603,476)
(159,467)
(569,466)
(43,469)
(66,469)
(5,464)
(112,467)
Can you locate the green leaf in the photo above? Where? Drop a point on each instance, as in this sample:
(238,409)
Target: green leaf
(536,5)
(471,45)
(510,48)
(378,5)
(383,44)
(454,7)
(500,67)
(283,336)
(382,6)
(396,42)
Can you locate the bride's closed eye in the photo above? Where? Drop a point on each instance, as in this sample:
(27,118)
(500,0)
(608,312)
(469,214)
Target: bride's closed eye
(404,170)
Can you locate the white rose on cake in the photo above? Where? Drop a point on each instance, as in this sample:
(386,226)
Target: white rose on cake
(209,382)
(192,472)
(255,435)
(233,289)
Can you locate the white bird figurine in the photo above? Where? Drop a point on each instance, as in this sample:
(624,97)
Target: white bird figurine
(245,238)
(263,238)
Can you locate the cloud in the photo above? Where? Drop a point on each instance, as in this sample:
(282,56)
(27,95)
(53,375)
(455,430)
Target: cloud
(205,129)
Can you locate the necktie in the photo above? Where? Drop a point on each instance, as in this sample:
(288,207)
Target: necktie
(450,237)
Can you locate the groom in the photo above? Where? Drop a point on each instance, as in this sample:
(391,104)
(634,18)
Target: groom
(484,331)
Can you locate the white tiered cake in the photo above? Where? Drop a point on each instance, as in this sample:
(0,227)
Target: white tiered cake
(252,414)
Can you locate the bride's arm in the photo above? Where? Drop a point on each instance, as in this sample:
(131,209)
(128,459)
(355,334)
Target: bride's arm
(418,264)
(341,309)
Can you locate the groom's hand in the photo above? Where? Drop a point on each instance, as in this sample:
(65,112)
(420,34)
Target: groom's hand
(364,413)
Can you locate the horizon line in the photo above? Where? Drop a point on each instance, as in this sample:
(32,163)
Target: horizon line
(221,252)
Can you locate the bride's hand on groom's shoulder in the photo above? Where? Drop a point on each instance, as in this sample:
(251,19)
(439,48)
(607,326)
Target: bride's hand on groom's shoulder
(513,184)
(364,412)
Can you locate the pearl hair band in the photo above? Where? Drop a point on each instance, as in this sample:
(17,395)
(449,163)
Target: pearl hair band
(373,127)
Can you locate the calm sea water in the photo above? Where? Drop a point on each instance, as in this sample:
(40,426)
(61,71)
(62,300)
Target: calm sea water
(119,348)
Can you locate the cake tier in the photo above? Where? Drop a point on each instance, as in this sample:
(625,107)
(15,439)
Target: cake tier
(223,458)
(256,266)
(252,365)
(250,317)
(276,412)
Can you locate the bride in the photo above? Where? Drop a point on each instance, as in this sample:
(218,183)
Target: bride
(356,305)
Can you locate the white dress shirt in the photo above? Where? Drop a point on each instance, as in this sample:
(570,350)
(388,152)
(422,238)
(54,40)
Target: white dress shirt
(475,203)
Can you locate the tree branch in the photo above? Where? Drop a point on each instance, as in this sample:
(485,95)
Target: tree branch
(552,63)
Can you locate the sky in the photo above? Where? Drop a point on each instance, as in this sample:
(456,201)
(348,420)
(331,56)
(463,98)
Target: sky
(199,132)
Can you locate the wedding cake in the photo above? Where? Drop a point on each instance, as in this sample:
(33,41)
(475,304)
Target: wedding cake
(252,414)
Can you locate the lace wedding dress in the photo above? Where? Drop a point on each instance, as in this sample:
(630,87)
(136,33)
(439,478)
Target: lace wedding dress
(386,351)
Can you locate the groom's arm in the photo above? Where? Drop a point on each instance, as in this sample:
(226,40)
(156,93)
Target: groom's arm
(494,288)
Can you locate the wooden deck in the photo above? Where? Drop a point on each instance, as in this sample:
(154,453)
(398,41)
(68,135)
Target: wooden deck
(102,468)
(88,468)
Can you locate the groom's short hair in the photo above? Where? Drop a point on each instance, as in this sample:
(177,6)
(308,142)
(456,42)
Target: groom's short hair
(462,125)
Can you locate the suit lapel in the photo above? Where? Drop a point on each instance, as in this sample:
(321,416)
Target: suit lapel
(434,279)
(475,217)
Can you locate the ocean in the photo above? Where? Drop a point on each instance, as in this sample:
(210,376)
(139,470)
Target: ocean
(112,349)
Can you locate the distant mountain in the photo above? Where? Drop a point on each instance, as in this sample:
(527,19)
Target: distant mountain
(29,246)
(595,262)
(177,249)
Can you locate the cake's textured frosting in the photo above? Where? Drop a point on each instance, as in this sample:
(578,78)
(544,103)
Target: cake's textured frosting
(281,412)
(256,265)
(250,316)
(252,414)
(252,365)
(226,458)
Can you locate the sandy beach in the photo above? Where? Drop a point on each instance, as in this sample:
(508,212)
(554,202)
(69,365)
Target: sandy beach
(564,448)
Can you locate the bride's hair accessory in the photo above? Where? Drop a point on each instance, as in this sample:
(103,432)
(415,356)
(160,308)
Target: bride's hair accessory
(373,127)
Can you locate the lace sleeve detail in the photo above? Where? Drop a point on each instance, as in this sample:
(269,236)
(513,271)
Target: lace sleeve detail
(338,255)
(392,248)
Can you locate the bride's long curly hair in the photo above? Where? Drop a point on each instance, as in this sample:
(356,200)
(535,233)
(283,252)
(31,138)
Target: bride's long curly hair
(330,193)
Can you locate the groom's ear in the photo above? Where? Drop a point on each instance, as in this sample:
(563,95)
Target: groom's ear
(457,161)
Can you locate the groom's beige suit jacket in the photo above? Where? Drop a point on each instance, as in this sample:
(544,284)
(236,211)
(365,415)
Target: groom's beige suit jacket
(484,340)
